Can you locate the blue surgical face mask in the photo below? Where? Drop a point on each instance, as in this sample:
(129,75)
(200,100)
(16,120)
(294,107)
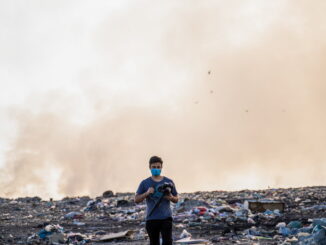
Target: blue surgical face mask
(155,171)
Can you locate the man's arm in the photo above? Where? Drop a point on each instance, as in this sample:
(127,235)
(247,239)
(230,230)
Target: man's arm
(141,197)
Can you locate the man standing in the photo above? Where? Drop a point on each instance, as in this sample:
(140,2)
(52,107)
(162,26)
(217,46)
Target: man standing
(158,212)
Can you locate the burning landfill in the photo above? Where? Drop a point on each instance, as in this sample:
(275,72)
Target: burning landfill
(271,216)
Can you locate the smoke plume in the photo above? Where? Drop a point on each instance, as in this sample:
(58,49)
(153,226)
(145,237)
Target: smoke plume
(229,93)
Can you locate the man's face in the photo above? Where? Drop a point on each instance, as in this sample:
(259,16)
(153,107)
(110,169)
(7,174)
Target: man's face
(156,165)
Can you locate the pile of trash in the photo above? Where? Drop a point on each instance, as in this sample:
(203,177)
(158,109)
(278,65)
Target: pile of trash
(271,216)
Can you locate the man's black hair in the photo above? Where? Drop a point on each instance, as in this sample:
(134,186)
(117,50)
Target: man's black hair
(155,159)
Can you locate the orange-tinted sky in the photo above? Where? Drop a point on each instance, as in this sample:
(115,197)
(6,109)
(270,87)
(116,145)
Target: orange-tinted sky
(229,93)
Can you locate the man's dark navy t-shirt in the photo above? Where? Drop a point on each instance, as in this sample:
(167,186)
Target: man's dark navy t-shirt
(163,211)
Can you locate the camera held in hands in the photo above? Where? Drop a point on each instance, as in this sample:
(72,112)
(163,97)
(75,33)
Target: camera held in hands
(165,188)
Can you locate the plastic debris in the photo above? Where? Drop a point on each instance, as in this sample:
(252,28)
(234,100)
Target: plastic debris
(185,234)
(117,235)
(74,215)
(192,241)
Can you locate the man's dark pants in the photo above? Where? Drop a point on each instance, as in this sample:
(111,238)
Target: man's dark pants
(155,227)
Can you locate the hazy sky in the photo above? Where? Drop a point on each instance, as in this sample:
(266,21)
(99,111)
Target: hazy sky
(229,93)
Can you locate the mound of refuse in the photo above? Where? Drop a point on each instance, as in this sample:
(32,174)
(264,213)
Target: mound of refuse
(270,216)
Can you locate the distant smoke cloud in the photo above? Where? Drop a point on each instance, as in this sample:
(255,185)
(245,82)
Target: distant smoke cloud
(229,93)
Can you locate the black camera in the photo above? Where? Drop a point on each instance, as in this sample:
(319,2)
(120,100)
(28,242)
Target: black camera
(165,188)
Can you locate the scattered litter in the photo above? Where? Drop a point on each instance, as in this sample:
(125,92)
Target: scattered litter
(185,234)
(74,215)
(192,241)
(271,216)
(264,205)
(112,236)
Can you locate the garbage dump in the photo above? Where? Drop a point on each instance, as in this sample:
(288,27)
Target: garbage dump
(270,216)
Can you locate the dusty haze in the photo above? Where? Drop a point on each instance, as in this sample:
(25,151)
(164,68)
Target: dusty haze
(231,94)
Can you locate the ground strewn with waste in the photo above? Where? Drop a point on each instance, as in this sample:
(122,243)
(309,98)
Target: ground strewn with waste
(217,217)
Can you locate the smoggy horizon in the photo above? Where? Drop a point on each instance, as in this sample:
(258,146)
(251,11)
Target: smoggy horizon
(229,93)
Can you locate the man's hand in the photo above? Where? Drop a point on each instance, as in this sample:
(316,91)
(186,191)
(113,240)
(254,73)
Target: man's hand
(150,191)
(141,197)
(172,198)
